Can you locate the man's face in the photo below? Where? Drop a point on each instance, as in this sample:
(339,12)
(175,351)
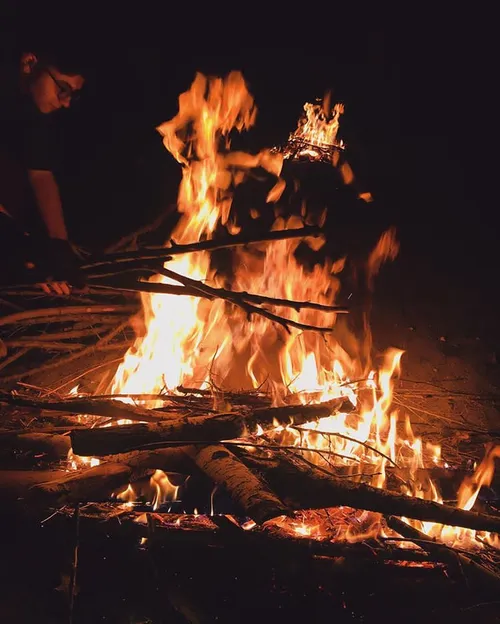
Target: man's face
(52,90)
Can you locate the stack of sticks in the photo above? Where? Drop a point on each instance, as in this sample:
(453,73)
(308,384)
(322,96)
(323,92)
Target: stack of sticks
(182,435)
(186,433)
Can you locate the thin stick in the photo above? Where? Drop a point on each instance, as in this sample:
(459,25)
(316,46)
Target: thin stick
(248,308)
(64,311)
(346,437)
(74,569)
(74,356)
(13,358)
(222,293)
(43,344)
(209,245)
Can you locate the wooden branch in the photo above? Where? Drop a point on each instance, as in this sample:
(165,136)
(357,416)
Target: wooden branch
(46,345)
(471,569)
(172,289)
(116,410)
(91,349)
(112,440)
(246,307)
(147,253)
(15,484)
(248,491)
(313,489)
(54,446)
(83,485)
(63,313)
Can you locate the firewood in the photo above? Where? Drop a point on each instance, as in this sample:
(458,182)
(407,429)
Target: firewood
(247,490)
(112,440)
(15,484)
(83,485)
(473,571)
(63,313)
(112,409)
(209,428)
(53,446)
(302,486)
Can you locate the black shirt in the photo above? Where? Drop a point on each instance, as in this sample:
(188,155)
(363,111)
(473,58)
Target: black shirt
(27,141)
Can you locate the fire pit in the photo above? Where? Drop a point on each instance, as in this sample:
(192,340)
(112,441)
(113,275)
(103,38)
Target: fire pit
(245,417)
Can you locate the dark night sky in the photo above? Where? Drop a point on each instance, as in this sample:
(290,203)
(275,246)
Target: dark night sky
(417,99)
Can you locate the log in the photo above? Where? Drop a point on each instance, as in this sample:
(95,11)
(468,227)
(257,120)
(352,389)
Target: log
(302,486)
(15,484)
(296,414)
(83,485)
(116,410)
(473,571)
(113,440)
(247,490)
(176,459)
(208,428)
(52,445)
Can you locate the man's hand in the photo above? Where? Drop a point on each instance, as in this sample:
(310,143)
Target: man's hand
(62,268)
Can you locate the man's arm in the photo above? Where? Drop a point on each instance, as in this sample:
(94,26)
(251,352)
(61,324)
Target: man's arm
(49,202)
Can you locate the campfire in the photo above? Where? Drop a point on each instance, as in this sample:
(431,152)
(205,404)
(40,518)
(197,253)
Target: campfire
(244,405)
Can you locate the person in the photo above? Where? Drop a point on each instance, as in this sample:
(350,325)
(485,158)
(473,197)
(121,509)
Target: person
(34,242)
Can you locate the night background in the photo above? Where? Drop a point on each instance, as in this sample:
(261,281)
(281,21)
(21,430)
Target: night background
(419,128)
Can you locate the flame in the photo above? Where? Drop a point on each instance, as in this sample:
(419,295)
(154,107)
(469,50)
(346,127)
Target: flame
(318,126)
(189,341)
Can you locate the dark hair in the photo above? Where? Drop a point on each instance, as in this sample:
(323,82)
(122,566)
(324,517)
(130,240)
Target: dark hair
(64,51)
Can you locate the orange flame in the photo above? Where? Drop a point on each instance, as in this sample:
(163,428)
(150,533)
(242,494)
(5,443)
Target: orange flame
(189,341)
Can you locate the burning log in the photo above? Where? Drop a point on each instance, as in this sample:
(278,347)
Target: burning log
(314,489)
(83,485)
(110,409)
(15,484)
(472,569)
(246,489)
(52,445)
(112,440)
(213,427)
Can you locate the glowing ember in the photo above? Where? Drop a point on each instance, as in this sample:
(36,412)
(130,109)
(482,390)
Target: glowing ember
(190,341)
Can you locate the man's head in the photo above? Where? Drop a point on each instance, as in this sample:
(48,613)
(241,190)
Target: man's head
(53,83)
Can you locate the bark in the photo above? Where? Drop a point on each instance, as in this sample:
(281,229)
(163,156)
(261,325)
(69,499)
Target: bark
(473,570)
(113,440)
(110,409)
(209,428)
(304,487)
(15,484)
(247,490)
(90,484)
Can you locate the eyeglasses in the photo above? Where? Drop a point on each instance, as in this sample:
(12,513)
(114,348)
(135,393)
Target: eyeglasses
(64,90)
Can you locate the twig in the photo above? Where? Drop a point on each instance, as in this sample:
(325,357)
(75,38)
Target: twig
(74,569)
(63,312)
(209,245)
(13,358)
(248,308)
(346,437)
(43,344)
(74,356)
(222,293)
(449,555)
